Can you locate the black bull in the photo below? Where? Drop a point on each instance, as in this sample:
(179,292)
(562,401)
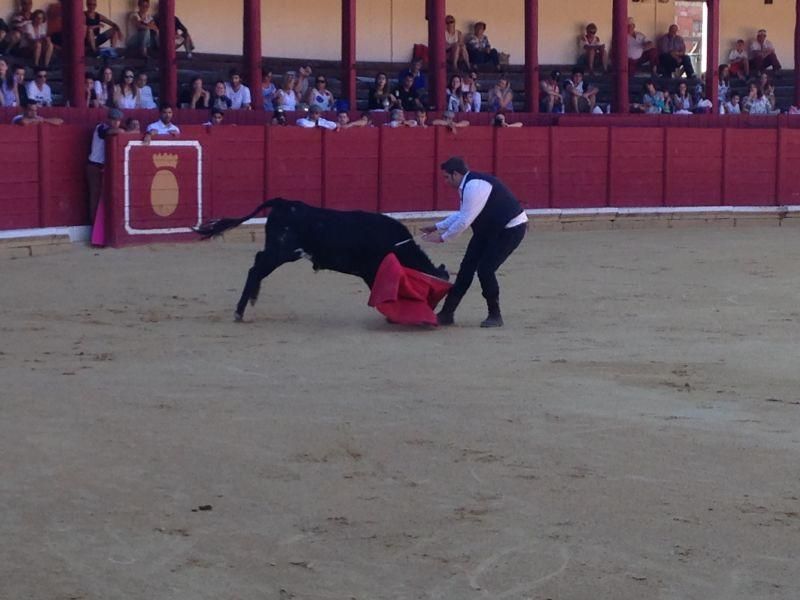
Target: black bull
(352,242)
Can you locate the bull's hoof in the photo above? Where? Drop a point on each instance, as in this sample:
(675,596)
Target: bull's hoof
(237,317)
(445,319)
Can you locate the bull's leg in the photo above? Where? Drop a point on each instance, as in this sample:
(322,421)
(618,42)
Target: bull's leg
(266,262)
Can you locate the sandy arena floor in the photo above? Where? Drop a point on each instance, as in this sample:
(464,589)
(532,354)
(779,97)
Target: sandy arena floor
(632,433)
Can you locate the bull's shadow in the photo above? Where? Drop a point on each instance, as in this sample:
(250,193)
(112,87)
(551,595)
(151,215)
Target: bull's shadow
(351,242)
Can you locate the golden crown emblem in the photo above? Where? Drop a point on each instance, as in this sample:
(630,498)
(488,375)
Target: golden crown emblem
(165,161)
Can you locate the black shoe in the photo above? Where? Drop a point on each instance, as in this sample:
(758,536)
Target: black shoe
(445,318)
(492,321)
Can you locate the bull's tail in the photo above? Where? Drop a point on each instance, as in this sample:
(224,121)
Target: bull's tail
(215,227)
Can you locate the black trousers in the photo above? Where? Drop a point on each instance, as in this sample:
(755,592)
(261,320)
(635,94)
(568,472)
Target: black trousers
(484,255)
(667,65)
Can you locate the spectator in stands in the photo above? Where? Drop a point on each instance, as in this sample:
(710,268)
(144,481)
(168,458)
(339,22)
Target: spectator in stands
(4,29)
(501,96)
(343,121)
(455,101)
(145,30)
(448,120)
(756,103)
(97,157)
(591,49)
(132,125)
(238,92)
(550,100)
(34,36)
(279,117)
(762,54)
(146,99)
(739,61)
(579,97)
(480,49)
(379,96)
(217,118)
(104,87)
(455,48)
(314,119)
(470,89)
(672,54)
(89,94)
(29,115)
(415,70)
(769,94)
(500,120)
(39,90)
(95,36)
(681,100)
(422,118)
(641,51)
(320,94)
(197,96)
(164,125)
(398,119)
(183,38)
(724,88)
(407,95)
(286,98)
(653,101)
(219,98)
(303,77)
(126,94)
(732,107)
(8,96)
(18,25)
(16,85)
(268,90)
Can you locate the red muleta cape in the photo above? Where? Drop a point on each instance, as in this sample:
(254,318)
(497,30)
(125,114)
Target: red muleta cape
(406,296)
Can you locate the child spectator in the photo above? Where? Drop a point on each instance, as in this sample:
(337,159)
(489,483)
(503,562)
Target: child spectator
(198,97)
(590,49)
(379,96)
(217,117)
(682,101)
(268,90)
(279,117)
(38,90)
(480,50)
(470,90)
(500,121)
(738,61)
(286,98)
(320,94)
(769,94)
(551,101)
(145,30)
(95,36)
(755,103)
(237,91)
(146,99)
(422,118)
(653,101)
(132,125)
(731,107)
(724,83)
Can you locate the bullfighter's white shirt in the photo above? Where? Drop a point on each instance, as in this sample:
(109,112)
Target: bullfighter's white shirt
(474,195)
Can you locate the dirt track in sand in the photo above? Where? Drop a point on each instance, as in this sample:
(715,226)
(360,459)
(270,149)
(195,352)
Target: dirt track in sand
(632,433)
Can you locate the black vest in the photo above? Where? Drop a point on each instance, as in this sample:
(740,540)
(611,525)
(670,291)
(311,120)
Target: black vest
(500,208)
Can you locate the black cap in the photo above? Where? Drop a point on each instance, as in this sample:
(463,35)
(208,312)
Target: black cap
(455,164)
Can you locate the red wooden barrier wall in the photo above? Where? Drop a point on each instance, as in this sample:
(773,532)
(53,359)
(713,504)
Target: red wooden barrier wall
(397,170)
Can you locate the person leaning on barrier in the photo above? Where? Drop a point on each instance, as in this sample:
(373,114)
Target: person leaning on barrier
(29,115)
(498,224)
(97,157)
(314,119)
(164,125)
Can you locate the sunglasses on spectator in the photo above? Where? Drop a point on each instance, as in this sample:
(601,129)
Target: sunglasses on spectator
(128,76)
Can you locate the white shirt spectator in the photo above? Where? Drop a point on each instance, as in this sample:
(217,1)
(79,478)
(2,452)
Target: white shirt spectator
(43,96)
(35,32)
(736,55)
(756,46)
(160,129)
(310,123)
(238,97)
(146,99)
(636,45)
